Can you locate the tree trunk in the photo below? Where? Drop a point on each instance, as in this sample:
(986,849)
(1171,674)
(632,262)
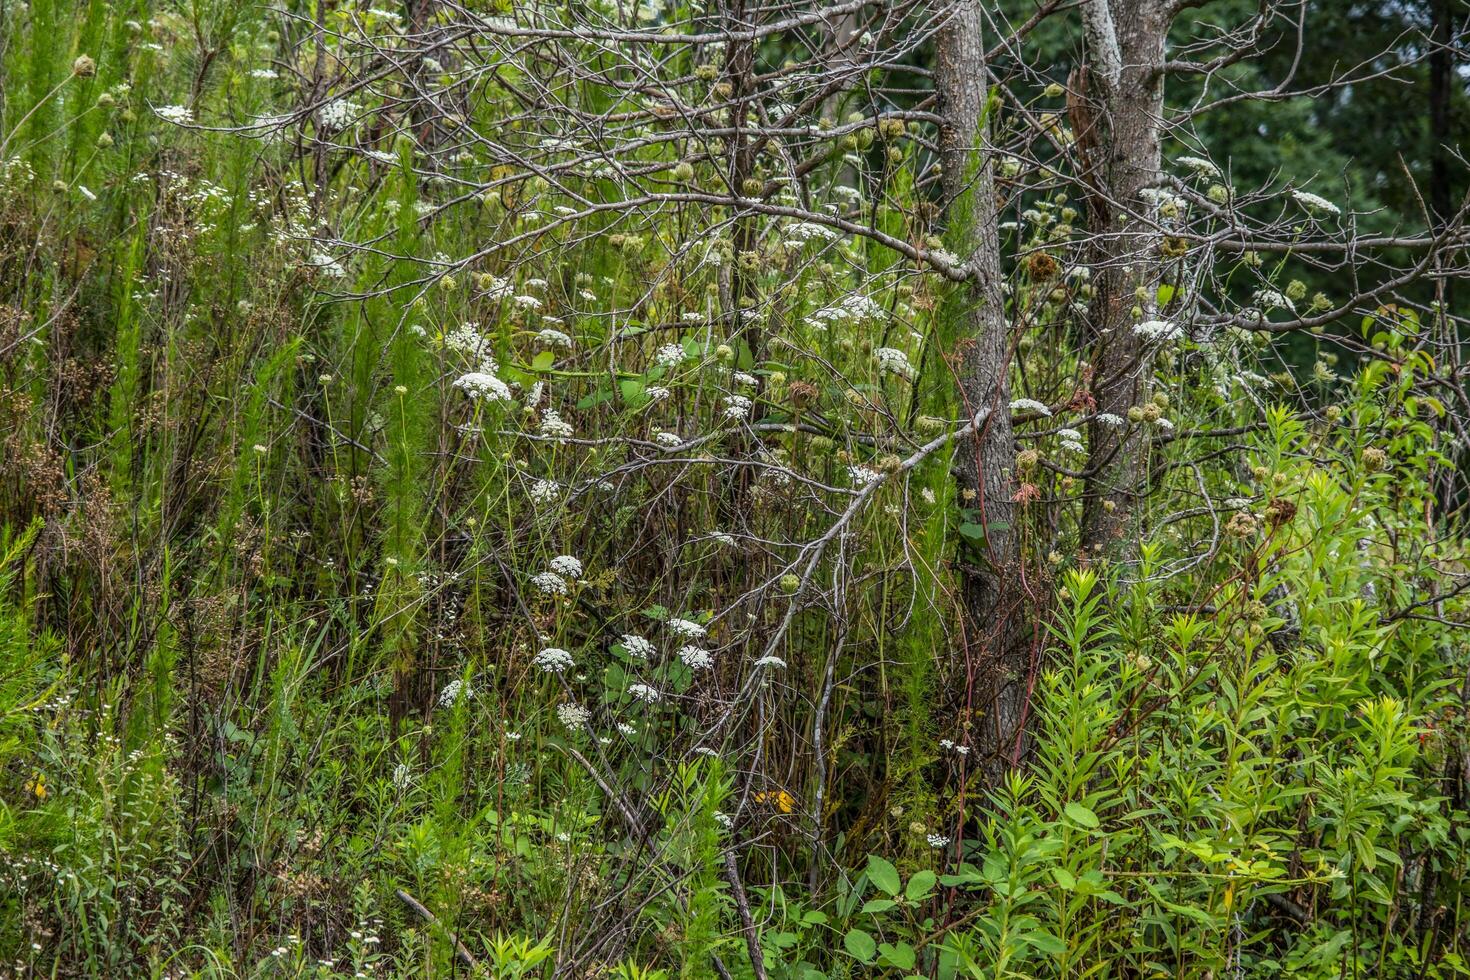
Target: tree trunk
(997,658)
(1125,86)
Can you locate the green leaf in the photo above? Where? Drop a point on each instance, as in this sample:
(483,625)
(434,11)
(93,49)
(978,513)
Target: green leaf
(860,945)
(1045,942)
(875,905)
(543,361)
(920,885)
(975,532)
(1081,815)
(1064,878)
(883,874)
(901,955)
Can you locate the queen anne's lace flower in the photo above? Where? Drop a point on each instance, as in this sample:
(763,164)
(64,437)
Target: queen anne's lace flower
(452,692)
(553,338)
(176,114)
(686,629)
(696,658)
(1030,405)
(545,491)
(669,355)
(774,662)
(737,407)
(480,385)
(553,660)
(1200,166)
(549,583)
(567,566)
(894,361)
(644,693)
(638,647)
(553,426)
(1313,202)
(336,114)
(572,715)
(1157,330)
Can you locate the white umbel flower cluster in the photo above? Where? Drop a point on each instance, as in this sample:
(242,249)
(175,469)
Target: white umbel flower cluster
(567,566)
(638,646)
(696,658)
(553,660)
(549,583)
(686,629)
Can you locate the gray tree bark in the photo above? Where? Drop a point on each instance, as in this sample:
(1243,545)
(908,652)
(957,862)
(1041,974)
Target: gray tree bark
(997,658)
(1118,104)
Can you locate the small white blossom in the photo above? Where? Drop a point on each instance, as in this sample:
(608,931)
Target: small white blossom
(567,566)
(769,661)
(644,693)
(638,646)
(685,628)
(553,660)
(894,361)
(545,491)
(1030,405)
(452,691)
(553,338)
(1200,166)
(481,385)
(336,114)
(937,840)
(572,715)
(176,114)
(696,658)
(1157,330)
(1313,202)
(553,426)
(737,407)
(669,355)
(550,583)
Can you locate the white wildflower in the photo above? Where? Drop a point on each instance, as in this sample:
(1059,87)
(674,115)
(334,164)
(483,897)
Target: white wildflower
(545,491)
(937,840)
(1200,166)
(737,407)
(669,439)
(770,661)
(549,583)
(1160,330)
(638,647)
(553,426)
(669,356)
(452,692)
(894,361)
(572,715)
(336,114)
(177,114)
(685,628)
(553,338)
(1313,202)
(644,693)
(567,566)
(553,660)
(696,658)
(1030,405)
(478,384)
